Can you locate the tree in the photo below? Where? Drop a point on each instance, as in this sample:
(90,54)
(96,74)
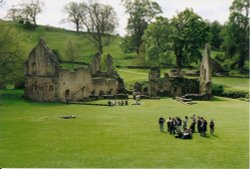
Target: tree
(100,21)
(141,12)
(74,12)
(189,35)
(11,62)
(14,13)
(29,11)
(216,38)
(237,37)
(157,40)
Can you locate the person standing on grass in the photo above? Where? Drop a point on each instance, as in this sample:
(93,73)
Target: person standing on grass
(185,123)
(203,127)
(192,127)
(169,125)
(199,121)
(161,123)
(211,125)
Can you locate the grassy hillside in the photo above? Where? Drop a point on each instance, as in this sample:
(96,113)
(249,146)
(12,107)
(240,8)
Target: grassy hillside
(58,39)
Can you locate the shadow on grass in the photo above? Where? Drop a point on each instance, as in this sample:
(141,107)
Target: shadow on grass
(217,99)
(210,136)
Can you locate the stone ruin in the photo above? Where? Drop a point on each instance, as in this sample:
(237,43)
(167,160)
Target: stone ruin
(45,80)
(206,74)
(175,85)
(154,78)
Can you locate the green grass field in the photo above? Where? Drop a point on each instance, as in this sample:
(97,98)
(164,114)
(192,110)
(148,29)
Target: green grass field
(33,135)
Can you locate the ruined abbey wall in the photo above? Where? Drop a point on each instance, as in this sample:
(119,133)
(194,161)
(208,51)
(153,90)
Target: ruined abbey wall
(46,81)
(176,85)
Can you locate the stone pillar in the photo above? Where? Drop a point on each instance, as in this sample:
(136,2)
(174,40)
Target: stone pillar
(206,73)
(154,77)
(110,66)
(96,64)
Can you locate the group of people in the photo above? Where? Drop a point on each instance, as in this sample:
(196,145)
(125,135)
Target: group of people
(179,128)
(117,103)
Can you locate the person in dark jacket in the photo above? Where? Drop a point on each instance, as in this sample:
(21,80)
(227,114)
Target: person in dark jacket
(211,125)
(203,127)
(192,126)
(170,126)
(161,123)
(199,121)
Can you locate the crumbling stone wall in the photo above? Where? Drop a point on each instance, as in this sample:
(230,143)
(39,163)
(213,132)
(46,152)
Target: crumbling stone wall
(179,86)
(105,86)
(46,81)
(75,85)
(41,88)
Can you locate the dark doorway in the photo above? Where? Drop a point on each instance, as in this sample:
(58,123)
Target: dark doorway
(67,92)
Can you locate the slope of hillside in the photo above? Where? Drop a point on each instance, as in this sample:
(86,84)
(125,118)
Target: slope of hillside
(58,39)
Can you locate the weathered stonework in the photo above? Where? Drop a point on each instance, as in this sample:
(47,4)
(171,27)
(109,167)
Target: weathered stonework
(46,81)
(154,77)
(206,73)
(174,84)
(179,86)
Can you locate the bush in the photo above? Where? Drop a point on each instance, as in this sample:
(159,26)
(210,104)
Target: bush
(220,57)
(217,90)
(235,94)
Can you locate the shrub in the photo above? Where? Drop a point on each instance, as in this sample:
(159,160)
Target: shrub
(217,89)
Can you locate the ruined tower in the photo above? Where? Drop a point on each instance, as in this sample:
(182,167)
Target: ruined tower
(110,65)
(206,73)
(154,77)
(96,64)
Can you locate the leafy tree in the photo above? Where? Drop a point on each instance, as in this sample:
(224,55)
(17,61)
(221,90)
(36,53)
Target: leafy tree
(141,12)
(11,62)
(29,11)
(100,21)
(74,12)
(190,33)
(157,39)
(127,44)
(216,38)
(237,37)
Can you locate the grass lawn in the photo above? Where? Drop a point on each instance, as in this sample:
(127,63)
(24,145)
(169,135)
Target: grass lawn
(241,84)
(33,135)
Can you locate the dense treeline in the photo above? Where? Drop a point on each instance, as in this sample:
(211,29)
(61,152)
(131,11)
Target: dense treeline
(180,39)
(176,41)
